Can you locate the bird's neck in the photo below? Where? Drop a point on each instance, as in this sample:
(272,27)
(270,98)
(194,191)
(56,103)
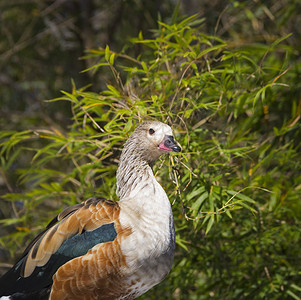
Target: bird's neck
(133,172)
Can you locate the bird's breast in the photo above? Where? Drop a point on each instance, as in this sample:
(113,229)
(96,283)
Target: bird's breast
(149,249)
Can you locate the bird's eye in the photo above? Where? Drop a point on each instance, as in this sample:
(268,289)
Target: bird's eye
(151,131)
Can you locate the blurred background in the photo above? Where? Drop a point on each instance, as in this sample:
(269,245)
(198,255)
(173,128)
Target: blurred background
(42,43)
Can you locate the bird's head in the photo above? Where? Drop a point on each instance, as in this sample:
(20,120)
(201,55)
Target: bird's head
(151,139)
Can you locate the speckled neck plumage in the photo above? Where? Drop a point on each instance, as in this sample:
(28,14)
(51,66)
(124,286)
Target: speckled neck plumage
(133,169)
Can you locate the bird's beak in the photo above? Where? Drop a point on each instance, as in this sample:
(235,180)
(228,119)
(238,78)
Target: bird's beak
(169,144)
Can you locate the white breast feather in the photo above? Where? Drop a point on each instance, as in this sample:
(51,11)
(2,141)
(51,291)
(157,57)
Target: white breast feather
(149,248)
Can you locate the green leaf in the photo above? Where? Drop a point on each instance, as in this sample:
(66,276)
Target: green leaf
(210,223)
(198,203)
(112,58)
(107,53)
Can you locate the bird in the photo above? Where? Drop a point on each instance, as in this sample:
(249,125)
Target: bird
(105,249)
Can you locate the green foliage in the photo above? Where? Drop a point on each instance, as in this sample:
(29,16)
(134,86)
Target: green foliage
(235,188)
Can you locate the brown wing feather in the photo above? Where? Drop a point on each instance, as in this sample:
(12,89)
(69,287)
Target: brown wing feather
(88,215)
(95,275)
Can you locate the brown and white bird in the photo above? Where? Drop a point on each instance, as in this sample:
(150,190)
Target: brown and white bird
(103,249)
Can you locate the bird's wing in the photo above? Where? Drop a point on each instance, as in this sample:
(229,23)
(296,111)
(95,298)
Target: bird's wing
(71,234)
